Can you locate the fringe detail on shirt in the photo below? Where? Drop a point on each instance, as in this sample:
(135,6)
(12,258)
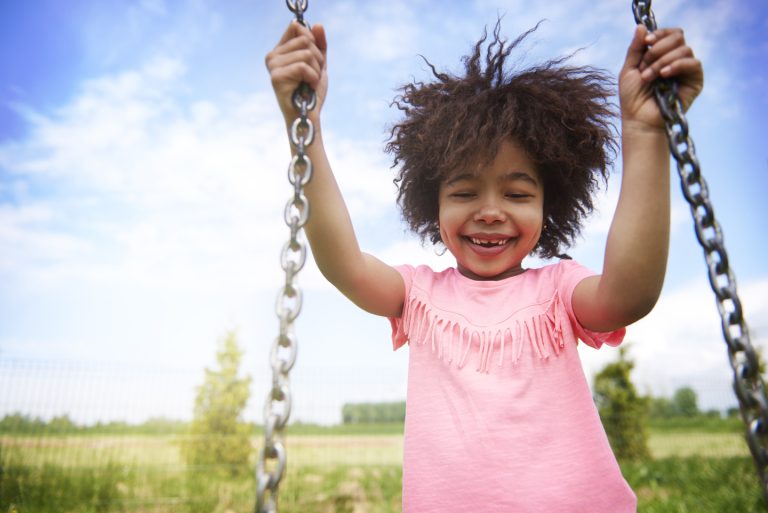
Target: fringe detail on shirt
(453,340)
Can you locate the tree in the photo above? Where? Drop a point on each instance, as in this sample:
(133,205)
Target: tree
(366,413)
(660,407)
(685,402)
(622,410)
(219,436)
(61,424)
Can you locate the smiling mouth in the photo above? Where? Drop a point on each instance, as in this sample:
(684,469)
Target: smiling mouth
(486,243)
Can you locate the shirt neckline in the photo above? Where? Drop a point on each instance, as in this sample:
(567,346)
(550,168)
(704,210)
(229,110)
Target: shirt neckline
(490,283)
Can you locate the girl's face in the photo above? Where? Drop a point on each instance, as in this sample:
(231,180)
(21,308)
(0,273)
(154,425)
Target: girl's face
(491,217)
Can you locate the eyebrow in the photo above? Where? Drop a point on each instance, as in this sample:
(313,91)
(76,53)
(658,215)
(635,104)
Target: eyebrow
(510,176)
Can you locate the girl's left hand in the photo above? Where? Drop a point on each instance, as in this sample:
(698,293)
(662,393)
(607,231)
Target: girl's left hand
(664,54)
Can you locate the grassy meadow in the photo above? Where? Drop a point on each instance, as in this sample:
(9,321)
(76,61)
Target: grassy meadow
(330,471)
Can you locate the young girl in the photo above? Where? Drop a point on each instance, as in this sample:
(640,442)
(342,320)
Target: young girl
(496,165)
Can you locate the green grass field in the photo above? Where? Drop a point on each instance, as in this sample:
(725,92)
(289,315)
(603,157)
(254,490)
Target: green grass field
(329,471)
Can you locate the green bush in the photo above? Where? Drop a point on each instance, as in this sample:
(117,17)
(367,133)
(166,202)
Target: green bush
(623,411)
(219,438)
(700,485)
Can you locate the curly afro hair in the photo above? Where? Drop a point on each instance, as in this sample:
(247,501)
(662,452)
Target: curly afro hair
(560,114)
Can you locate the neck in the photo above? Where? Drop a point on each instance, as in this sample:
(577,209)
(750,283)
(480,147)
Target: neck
(512,271)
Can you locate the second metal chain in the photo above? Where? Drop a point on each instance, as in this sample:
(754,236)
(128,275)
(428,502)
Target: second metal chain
(277,408)
(747,382)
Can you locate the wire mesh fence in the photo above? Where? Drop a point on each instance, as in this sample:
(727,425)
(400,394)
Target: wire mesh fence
(110,437)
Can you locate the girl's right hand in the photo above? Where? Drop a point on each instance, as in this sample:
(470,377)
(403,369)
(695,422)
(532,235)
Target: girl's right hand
(299,57)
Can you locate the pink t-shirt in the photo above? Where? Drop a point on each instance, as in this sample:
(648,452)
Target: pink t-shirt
(500,418)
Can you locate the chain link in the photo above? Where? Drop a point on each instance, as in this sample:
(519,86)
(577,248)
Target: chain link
(747,383)
(273,457)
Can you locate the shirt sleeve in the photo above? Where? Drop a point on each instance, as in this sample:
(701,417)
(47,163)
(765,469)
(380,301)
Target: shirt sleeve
(571,274)
(399,337)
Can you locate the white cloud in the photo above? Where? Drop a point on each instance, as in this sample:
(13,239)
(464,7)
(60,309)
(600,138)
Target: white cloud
(364,176)
(705,23)
(163,179)
(143,179)
(155,189)
(372,31)
(597,226)
(24,238)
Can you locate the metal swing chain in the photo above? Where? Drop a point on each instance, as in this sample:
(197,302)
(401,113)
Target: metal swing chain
(748,384)
(277,408)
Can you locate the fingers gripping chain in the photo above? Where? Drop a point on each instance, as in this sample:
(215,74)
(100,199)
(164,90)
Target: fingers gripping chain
(297,7)
(747,383)
(277,408)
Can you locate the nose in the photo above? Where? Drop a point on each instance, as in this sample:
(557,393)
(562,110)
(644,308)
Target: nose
(489,212)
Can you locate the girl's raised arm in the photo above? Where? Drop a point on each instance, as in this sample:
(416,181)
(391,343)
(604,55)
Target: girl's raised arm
(638,240)
(367,281)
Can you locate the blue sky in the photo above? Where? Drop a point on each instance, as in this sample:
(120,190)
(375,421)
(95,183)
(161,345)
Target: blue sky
(142,183)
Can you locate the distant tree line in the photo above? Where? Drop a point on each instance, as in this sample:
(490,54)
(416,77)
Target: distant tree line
(683,403)
(615,396)
(373,413)
(18,423)
(219,433)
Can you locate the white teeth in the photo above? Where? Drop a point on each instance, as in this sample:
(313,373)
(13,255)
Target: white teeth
(483,242)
